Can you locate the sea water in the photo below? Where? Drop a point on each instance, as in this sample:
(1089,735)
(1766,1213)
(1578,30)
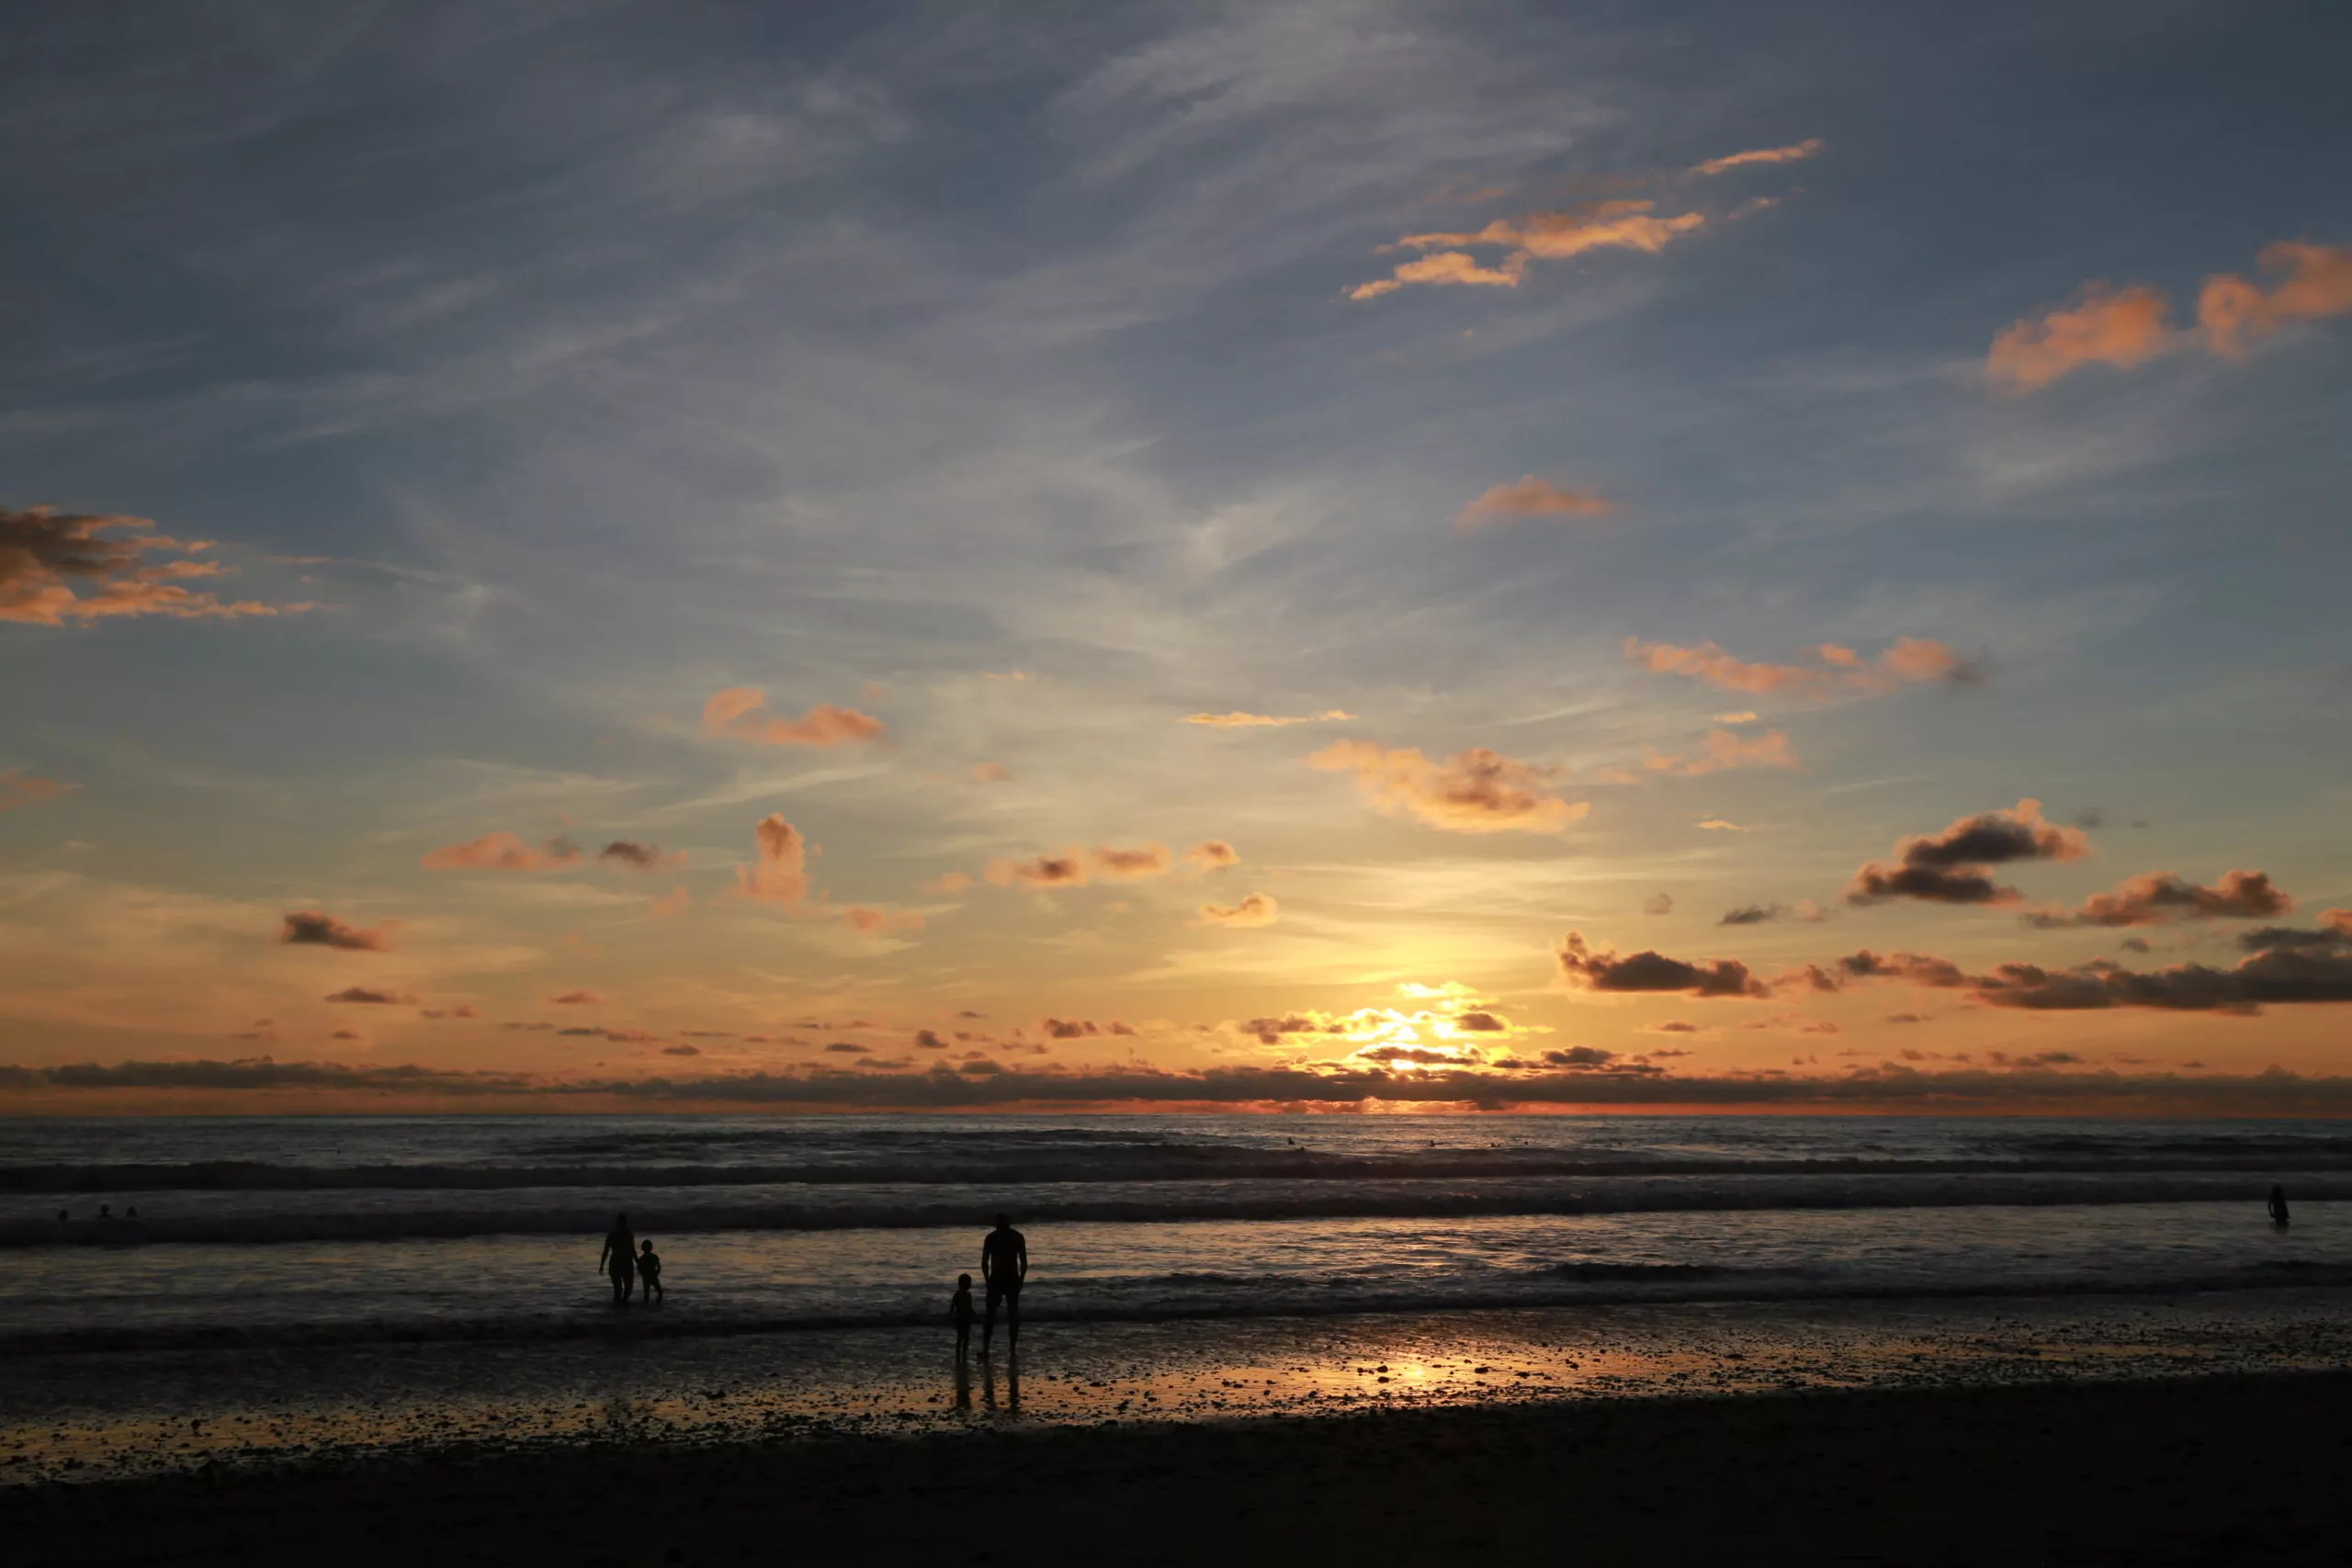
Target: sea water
(256,1231)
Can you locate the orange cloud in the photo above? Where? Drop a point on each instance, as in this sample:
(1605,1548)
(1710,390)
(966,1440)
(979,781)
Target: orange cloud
(1789,154)
(1531,497)
(2317,282)
(739,714)
(947,882)
(1478,790)
(1255,909)
(19,788)
(990,773)
(781,873)
(2120,327)
(578,999)
(1153,860)
(308,928)
(1546,236)
(503,850)
(1725,750)
(676,902)
(43,553)
(1212,854)
(1065,870)
(1457,267)
(861,919)
(1239,720)
(1841,670)
(2157,897)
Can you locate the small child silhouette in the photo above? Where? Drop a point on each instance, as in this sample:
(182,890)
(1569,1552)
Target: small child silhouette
(959,1311)
(648,1268)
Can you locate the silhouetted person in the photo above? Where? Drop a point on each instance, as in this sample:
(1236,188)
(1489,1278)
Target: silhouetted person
(2278,1205)
(105,1212)
(62,1216)
(649,1270)
(1004,1264)
(620,1246)
(131,1212)
(960,1312)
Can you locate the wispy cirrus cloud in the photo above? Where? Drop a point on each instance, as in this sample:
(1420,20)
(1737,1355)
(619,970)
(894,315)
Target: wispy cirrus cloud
(1241,720)
(1627,224)
(503,850)
(46,555)
(1725,750)
(1838,671)
(1528,497)
(19,789)
(1478,790)
(1792,153)
(740,713)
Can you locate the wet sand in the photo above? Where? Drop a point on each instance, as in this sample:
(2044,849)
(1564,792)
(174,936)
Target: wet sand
(2206,1427)
(2222,1469)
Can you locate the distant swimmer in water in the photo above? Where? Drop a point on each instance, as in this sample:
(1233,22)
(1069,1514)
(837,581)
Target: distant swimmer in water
(1004,1264)
(105,1210)
(131,1212)
(616,1259)
(2278,1206)
(649,1270)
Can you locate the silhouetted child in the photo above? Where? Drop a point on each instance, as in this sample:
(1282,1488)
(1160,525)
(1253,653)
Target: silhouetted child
(648,1268)
(959,1311)
(2278,1205)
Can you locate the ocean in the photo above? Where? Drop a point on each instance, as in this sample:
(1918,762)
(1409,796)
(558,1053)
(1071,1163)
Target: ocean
(256,1232)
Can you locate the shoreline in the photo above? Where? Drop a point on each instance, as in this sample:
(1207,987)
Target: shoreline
(2223,1468)
(83,1418)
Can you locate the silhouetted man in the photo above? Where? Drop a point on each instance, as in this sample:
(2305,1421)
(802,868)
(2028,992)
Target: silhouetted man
(619,1258)
(1004,1264)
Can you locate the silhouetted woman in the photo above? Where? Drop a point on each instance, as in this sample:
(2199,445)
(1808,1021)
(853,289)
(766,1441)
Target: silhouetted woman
(2278,1205)
(619,1258)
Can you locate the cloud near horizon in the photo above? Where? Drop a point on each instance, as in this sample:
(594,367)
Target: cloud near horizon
(1531,497)
(740,713)
(503,850)
(1478,790)
(1540,236)
(1950,867)
(1842,670)
(44,553)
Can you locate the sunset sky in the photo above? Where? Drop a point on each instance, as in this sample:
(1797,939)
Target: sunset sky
(958,554)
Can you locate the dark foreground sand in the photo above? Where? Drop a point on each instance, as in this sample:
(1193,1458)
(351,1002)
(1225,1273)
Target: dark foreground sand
(2222,1469)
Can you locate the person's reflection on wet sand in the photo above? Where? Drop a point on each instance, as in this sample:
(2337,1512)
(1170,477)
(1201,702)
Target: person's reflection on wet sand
(1011,1383)
(963,1383)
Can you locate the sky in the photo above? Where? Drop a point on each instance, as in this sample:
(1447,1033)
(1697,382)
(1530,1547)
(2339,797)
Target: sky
(1783,556)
